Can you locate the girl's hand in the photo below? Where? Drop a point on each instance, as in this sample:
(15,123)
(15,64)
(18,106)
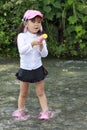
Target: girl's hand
(35,42)
(41,47)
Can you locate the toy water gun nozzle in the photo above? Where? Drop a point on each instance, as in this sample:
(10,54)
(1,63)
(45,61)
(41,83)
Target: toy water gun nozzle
(42,37)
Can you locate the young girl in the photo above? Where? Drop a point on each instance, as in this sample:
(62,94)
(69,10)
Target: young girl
(31,69)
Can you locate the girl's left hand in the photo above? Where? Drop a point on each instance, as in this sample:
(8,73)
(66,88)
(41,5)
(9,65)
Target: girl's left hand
(41,46)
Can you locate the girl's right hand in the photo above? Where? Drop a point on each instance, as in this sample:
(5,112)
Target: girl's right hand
(35,42)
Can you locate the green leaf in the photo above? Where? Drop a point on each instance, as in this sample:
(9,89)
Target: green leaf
(74,53)
(57,5)
(58,15)
(72,20)
(78,28)
(82,45)
(47,9)
(46,2)
(70,2)
(85,10)
(19,2)
(49,16)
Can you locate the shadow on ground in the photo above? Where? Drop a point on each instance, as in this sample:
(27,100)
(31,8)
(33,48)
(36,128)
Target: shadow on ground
(66,89)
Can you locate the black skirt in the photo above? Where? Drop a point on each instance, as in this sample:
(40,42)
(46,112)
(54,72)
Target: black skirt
(32,76)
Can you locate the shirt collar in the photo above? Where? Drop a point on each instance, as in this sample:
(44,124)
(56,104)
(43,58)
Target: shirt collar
(31,34)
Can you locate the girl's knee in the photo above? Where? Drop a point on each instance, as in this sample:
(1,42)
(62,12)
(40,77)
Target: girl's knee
(23,95)
(40,88)
(40,93)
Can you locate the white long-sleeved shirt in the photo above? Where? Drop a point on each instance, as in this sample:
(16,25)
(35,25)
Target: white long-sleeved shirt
(30,57)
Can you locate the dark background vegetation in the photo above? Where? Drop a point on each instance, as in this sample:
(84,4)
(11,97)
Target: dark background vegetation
(65,22)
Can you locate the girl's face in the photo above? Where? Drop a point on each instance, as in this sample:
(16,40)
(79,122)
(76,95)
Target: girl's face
(34,25)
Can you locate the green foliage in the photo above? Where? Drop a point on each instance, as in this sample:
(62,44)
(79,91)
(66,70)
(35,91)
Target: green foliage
(64,21)
(75,28)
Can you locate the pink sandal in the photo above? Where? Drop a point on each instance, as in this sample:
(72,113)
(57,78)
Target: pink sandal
(46,115)
(20,115)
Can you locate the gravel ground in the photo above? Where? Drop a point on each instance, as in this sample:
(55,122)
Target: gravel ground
(66,89)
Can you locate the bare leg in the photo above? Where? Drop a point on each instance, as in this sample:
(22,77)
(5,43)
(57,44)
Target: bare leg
(23,94)
(41,95)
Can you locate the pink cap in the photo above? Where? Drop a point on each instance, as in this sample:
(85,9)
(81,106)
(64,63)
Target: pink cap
(29,14)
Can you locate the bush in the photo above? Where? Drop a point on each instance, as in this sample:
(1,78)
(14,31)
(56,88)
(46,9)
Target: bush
(65,23)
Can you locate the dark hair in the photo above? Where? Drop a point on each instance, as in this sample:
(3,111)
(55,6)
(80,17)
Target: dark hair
(21,28)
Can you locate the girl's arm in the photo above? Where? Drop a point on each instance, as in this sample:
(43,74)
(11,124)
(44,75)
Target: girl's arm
(43,49)
(26,48)
(22,47)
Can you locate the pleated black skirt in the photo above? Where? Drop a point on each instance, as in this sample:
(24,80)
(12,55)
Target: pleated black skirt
(32,76)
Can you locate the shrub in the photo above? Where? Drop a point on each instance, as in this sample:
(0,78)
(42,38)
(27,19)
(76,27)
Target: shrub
(64,21)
